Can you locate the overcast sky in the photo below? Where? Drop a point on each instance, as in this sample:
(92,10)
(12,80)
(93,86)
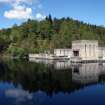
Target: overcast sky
(18,11)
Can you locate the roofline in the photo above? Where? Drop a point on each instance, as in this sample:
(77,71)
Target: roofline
(63,49)
(80,41)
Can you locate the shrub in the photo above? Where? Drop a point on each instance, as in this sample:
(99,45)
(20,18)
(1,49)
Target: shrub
(18,52)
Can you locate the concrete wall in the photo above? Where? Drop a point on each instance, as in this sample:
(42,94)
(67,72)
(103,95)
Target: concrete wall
(63,52)
(101,53)
(41,56)
(88,50)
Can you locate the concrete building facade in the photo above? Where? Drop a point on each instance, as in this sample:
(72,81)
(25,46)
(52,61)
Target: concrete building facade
(63,52)
(85,49)
(101,53)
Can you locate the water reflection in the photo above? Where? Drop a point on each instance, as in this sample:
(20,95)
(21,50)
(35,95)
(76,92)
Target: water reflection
(87,73)
(36,82)
(54,76)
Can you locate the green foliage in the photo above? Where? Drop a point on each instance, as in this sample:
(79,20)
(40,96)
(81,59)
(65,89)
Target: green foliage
(15,51)
(40,36)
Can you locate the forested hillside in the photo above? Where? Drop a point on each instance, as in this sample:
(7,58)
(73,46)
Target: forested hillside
(40,36)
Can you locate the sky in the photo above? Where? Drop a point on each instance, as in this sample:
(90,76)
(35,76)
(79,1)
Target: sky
(17,11)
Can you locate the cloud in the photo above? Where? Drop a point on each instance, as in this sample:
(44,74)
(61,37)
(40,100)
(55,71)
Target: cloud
(19,12)
(40,16)
(20,2)
(5,1)
(16,1)
(18,94)
(24,9)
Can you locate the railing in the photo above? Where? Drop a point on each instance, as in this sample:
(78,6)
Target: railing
(76,59)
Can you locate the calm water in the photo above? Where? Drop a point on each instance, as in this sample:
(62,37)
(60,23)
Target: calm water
(51,83)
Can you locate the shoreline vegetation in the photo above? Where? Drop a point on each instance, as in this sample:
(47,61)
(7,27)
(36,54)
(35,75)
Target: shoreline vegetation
(35,36)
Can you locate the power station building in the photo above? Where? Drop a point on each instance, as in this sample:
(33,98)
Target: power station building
(82,50)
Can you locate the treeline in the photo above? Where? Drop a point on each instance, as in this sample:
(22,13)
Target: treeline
(40,36)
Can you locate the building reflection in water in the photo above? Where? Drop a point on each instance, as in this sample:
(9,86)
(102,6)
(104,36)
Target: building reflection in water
(60,65)
(83,73)
(86,73)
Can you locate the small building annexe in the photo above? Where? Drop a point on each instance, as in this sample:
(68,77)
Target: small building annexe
(63,52)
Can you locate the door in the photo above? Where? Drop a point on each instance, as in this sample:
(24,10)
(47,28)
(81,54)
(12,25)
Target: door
(76,53)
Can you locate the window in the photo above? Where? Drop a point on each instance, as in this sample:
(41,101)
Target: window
(76,53)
